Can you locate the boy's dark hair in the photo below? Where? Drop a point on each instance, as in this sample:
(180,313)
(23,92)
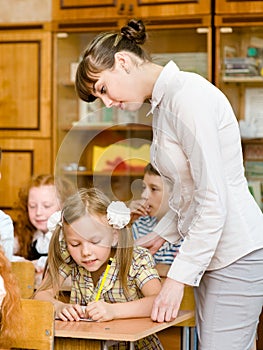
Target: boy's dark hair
(149,169)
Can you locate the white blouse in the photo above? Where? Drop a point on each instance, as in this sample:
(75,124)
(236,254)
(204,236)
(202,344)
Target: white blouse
(197,147)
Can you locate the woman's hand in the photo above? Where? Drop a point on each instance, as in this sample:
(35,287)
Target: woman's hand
(70,312)
(100,311)
(167,303)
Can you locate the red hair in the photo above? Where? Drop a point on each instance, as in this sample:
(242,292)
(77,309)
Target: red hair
(10,310)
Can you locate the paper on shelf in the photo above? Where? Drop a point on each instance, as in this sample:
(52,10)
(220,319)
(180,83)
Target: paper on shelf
(254,109)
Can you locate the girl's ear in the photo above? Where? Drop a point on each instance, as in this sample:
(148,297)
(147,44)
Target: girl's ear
(115,238)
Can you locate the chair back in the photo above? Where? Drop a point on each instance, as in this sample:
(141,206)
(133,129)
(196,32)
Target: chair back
(25,274)
(38,320)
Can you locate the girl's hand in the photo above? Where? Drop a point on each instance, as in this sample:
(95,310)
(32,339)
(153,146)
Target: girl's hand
(167,303)
(100,311)
(70,312)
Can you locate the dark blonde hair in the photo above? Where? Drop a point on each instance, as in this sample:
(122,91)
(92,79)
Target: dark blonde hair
(10,310)
(95,203)
(24,230)
(99,55)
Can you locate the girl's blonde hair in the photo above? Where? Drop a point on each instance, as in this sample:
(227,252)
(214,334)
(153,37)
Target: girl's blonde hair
(24,230)
(10,310)
(93,202)
(99,55)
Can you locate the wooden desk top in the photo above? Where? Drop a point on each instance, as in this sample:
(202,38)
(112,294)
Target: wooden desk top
(124,329)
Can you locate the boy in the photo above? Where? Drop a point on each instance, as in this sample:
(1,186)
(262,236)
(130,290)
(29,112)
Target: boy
(147,211)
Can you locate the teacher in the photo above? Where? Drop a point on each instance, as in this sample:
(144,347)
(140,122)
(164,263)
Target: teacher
(197,147)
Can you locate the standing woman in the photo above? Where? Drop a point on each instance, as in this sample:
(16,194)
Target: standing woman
(196,145)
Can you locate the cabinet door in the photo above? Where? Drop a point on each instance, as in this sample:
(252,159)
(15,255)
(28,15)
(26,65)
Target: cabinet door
(92,9)
(162,8)
(239,74)
(21,158)
(238,6)
(239,71)
(25,80)
(187,41)
(81,127)
(99,9)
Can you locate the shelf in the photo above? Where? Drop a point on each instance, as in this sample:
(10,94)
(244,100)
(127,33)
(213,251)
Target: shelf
(106,174)
(252,140)
(242,79)
(112,127)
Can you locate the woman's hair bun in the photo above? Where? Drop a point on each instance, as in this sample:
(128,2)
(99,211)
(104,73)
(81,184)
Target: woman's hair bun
(135,31)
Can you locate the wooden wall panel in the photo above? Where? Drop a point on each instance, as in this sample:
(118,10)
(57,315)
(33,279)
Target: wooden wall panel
(14,162)
(19,81)
(25,83)
(20,160)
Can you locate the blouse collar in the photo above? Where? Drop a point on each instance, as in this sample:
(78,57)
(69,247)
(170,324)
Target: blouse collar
(160,84)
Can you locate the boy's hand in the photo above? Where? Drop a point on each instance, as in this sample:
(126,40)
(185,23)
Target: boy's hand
(152,241)
(138,208)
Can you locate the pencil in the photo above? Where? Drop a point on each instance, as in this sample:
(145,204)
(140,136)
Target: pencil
(103,279)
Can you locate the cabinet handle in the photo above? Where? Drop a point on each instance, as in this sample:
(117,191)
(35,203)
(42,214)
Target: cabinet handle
(130,9)
(226,30)
(121,9)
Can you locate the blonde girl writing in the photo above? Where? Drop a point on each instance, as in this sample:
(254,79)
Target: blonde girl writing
(90,233)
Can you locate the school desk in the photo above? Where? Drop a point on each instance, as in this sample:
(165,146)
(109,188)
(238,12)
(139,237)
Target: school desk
(99,335)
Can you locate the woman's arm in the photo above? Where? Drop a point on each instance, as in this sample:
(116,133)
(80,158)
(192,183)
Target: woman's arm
(102,311)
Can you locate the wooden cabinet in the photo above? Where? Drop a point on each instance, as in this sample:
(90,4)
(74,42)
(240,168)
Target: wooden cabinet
(25,113)
(238,6)
(83,128)
(105,9)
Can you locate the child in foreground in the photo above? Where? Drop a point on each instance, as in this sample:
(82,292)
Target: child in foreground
(91,233)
